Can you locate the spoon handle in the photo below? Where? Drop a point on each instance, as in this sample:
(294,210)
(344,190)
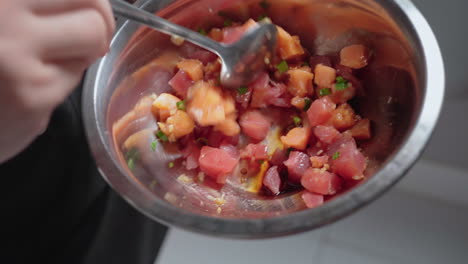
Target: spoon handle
(123,9)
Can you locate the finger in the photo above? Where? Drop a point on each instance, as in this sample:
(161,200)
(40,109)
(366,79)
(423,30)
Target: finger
(80,34)
(48,7)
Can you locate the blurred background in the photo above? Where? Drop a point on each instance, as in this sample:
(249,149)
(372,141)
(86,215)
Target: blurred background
(424,219)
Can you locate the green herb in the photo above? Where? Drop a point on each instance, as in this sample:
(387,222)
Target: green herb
(202,31)
(227,22)
(288,151)
(202,140)
(282,67)
(260,161)
(170,165)
(153,145)
(242,90)
(161,136)
(131,164)
(324,91)
(131,157)
(341,83)
(264,4)
(181,105)
(336,155)
(305,63)
(261,17)
(307,103)
(297,120)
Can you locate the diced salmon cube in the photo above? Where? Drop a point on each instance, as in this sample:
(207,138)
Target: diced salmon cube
(164,106)
(298,102)
(297,164)
(289,46)
(228,127)
(216,163)
(343,96)
(321,181)
(206,104)
(272,180)
(361,130)
(354,56)
(297,138)
(229,104)
(318,161)
(300,82)
(326,134)
(320,111)
(177,125)
(343,117)
(194,68)
(254,124)
(324,76)
(312,200)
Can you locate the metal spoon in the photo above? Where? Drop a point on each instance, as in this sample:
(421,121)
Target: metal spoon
(241,61)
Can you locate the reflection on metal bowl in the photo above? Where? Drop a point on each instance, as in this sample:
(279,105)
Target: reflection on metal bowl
(404,87)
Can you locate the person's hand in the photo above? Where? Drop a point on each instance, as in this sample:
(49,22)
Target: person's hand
(45,45)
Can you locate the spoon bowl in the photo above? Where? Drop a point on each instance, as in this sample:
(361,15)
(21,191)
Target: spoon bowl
(241,61)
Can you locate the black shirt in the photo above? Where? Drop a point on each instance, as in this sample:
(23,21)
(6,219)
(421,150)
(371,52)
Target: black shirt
(56,208)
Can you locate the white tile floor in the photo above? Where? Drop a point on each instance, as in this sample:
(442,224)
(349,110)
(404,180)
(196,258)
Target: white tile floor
(410,224)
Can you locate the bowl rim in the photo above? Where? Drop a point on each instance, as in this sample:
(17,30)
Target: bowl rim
(389,174)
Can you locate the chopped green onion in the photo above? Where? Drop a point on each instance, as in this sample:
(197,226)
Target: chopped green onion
(264,4)
(324,91)
(288,151)
(161,136)
(307,103)
(297,120)
(227,22)
(131,153)
(170,165)
(181,105)
(336,155)
(202,31)
(242,90)
(305,63)
(260,161)
(132,156)
(153,145)
(341,83)
(131,164)
(283,67)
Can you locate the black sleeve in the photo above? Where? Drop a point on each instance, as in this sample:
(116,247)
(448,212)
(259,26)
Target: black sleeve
(55,207)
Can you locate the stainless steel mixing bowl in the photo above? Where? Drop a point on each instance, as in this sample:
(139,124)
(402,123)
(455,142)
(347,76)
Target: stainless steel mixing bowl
(404,87)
